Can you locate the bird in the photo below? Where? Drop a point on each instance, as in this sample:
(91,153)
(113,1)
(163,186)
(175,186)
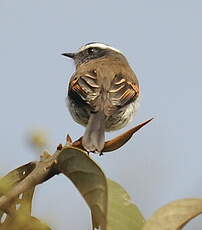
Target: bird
(103,92)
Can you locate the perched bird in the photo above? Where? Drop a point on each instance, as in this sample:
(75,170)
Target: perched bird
(102,93)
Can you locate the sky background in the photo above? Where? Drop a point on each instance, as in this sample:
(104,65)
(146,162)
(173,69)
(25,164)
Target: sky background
(162,41)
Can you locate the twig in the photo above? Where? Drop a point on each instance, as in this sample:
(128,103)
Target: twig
(47,167)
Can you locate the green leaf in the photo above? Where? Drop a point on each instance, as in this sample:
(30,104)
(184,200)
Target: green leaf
(122,213)
(15,176)
(34,224)
(88,179)
(174,215)
(22,205)
(110,205)
(25,203)
(25,223)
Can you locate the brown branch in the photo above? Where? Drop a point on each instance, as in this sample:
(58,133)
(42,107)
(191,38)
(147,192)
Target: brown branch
(37,176)
(47,167)
(122,139)
(114,143)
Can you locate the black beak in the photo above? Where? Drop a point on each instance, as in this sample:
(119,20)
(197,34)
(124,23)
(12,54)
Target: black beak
(70,55)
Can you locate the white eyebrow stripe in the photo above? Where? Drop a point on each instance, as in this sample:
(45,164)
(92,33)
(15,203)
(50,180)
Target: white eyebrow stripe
(99,45)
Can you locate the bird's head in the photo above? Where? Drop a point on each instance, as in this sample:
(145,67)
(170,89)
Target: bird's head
(92,51)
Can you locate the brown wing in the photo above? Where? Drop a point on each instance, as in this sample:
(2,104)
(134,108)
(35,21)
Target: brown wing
(84,89)
(123,91)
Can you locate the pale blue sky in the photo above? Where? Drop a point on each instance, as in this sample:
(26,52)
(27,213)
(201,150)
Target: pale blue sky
(162,40)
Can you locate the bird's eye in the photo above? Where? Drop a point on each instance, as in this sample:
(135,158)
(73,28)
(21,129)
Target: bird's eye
(91,50)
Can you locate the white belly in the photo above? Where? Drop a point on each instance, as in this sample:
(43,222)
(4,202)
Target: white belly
(114,122)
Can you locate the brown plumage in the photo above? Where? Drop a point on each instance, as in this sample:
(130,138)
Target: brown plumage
(102,93)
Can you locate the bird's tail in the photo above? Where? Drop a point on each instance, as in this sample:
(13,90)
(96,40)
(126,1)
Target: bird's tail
(94,136)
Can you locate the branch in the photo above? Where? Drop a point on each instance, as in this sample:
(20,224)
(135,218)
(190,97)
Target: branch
(114,143)
(47,166)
